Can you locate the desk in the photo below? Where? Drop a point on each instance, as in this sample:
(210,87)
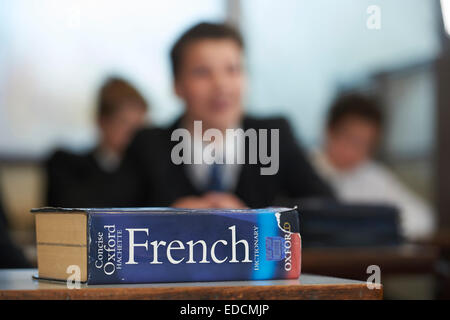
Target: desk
(18,284)
(441,240)
(353,262)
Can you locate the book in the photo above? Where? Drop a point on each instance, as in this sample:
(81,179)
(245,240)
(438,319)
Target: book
(146,245)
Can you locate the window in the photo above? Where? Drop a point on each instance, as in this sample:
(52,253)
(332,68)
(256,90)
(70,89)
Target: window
(55,54)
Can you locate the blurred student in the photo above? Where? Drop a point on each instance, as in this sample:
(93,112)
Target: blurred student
(99,178)
(354,127)
(210,78)
(10,255)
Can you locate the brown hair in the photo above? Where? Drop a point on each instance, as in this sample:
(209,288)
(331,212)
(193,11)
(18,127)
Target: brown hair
(356,105)
(114,94)
(201,31)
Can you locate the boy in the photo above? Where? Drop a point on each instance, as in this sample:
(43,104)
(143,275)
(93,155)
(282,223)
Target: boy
(99,178)
(354,127)
(209,77)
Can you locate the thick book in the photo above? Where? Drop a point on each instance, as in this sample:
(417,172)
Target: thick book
(145,245)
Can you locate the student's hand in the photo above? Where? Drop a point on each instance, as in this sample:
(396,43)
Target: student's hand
(220,200)
(223,200)
(193,202)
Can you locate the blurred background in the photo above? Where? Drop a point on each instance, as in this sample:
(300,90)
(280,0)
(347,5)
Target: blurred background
(300,54)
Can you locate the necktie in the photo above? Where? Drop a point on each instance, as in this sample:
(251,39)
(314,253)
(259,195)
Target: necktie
(215,182)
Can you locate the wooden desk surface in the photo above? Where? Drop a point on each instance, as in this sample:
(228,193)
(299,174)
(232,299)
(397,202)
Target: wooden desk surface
(440,239)
(353,262)
(18,284)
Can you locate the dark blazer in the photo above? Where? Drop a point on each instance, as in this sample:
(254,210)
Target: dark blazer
(161,182)
(78,181)
(10,255)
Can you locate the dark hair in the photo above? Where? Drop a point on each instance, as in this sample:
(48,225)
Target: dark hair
(114,94)
(201,31)
(355,105)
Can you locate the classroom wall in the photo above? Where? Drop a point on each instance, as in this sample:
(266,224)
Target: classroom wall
(55,55)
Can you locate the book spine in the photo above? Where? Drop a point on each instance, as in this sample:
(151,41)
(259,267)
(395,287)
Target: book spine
(174,247)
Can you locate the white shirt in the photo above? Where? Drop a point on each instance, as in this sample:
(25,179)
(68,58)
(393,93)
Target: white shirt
(108,161)
(199,174)
(370,183)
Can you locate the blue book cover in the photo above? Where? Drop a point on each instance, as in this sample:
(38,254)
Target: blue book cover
(145,245)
